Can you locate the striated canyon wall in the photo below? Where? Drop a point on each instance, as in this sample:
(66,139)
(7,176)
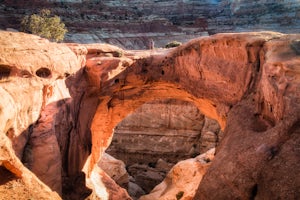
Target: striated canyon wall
(134,24)
(171,130)
(61,102)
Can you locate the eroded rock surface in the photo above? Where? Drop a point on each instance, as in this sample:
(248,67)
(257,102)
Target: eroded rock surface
(248,82)
(238,79)
(158,135)
(183,179)
(114,168)
(31,69)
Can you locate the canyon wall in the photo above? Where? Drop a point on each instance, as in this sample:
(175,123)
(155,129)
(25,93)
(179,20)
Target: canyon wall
(61,103)
(171,130)
(134,24)
(31,83)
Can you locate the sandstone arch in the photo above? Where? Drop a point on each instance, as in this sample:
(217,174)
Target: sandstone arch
(200,72)
(227,76)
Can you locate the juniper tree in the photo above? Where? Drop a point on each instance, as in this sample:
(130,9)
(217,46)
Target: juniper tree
(44,25)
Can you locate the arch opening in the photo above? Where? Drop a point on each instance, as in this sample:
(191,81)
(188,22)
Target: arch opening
(157,135)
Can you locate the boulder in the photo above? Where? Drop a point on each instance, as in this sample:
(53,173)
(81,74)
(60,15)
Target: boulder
(183,179)
(114,168)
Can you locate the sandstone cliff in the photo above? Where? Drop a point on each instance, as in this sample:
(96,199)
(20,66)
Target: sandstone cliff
(133,24)
(31,71)
(58,117)
(248,82)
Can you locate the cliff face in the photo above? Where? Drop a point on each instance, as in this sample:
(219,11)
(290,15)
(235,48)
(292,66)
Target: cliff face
(57,118)
(133,24)
(31,81)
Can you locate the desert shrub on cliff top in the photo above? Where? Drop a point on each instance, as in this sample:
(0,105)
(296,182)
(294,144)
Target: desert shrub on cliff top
(44,25)
(173,44)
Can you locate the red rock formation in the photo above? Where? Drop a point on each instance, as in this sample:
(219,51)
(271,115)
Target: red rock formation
(41,120)
(261,142)
(183,179)
(248,82)
(229,78)
(30,68)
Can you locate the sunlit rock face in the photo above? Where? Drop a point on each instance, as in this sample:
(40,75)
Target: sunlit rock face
(248,82)
(183,179)
(134,24)
(32,70)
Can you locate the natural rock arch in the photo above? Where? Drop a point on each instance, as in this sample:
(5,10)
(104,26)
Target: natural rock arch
(225,76)
(196,72)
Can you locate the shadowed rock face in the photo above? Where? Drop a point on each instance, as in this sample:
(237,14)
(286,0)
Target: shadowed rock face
(171,130)
(248,82)
(134,24)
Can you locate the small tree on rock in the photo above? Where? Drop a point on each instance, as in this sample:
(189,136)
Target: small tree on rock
(44,25)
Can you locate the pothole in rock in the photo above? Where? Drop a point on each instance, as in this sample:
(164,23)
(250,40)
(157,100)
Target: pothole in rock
(157,136)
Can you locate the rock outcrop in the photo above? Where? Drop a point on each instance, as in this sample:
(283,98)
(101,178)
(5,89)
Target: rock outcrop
(134,24)
(183,179)
(114,168)
(40,122)
(248,82)
(31,70)
(242,80)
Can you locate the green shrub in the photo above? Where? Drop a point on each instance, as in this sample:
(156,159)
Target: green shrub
(44,25)
(173,44)
(118,54)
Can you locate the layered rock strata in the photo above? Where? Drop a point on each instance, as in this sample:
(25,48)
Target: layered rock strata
(161,133)
(134,24)
(171,130)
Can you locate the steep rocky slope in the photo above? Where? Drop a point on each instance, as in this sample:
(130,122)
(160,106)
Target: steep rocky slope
(58,117)
(133,24)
